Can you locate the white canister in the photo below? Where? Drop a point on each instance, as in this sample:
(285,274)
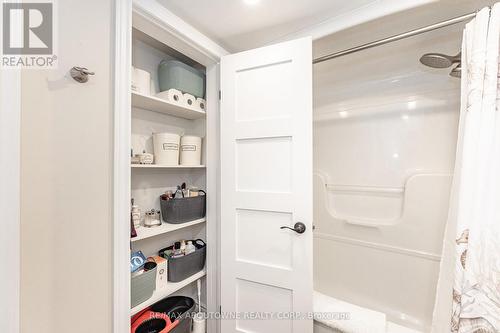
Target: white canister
(190,150)
(166,147)
(141,81)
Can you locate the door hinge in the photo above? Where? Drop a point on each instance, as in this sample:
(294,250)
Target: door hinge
(220,95)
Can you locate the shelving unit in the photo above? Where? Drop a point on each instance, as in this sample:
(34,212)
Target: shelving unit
(156,104)
(171,288)
(144,233)
(150,114)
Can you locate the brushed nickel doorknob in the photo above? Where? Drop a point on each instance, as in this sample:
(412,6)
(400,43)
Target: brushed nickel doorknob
(299,228)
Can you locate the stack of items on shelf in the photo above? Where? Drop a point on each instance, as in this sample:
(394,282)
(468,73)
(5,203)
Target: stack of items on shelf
(182,84)
(184,259)
(171,149)
(174,264)
(183,205)
(151,218)
(179,84)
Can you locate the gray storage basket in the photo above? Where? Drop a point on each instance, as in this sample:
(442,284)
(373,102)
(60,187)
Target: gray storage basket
(183,267)
(173,74)
(182,210)
(142,287)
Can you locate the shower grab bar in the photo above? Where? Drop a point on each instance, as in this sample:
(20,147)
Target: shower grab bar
(365,189)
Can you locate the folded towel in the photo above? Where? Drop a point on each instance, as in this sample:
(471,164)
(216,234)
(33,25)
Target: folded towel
(346,317)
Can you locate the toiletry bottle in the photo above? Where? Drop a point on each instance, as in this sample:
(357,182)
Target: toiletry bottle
(185,192)
(178,194)
(183,246)
(136,216)
(177,249)
(190,248)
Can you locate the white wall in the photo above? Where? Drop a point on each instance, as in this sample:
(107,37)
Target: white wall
(66,175)
(10,119)
(382,120)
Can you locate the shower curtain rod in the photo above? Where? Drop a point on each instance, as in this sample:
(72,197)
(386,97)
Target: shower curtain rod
(395,38)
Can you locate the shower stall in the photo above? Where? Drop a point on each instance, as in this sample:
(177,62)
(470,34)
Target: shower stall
(385,132)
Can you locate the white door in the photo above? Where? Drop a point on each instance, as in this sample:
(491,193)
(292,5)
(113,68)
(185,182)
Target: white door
(266,176)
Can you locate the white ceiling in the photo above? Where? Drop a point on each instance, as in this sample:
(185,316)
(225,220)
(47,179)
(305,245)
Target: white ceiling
(238,26)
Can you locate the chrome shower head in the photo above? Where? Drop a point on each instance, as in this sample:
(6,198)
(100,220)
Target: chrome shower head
(438,60)
(457,71)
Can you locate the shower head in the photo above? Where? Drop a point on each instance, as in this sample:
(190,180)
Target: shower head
(438,60)
(457,71)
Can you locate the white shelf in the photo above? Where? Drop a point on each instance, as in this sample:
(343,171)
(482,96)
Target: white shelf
(168,290)
(144,232)
(157,166)
(159,105)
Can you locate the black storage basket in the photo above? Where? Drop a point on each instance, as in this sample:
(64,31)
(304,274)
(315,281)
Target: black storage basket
(177,308)
(182,210)
(183,267)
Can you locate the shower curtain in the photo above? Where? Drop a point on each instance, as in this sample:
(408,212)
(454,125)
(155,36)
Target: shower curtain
(468,294)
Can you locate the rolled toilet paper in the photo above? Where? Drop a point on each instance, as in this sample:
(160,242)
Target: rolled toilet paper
(199,323)
(171,95)
(188,100)
(200,104)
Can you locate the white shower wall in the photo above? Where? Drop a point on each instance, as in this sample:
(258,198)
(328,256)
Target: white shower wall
(384,145)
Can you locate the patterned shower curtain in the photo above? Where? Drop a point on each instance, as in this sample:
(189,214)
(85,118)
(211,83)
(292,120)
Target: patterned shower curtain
(468,294)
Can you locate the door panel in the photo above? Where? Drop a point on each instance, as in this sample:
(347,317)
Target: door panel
(266,166)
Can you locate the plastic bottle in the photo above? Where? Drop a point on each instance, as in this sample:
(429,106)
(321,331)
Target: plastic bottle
(183,247)
(190,248)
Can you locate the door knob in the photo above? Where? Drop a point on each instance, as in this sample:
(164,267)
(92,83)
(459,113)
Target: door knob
(299,227)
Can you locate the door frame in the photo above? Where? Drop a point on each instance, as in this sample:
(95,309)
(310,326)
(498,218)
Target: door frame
(181,36)
(10,205)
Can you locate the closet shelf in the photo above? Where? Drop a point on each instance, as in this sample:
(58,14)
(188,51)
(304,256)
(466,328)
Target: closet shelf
(159,105)
(167,291)
(143,232)
(156,166)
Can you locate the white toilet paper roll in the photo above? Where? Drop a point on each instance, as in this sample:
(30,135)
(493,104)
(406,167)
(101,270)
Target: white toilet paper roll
(199,323)
(200,104)
(171,95)
(188,100)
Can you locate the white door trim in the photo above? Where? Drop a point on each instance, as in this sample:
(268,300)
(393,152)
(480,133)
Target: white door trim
(10,171)
(121,174)
(182,36)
